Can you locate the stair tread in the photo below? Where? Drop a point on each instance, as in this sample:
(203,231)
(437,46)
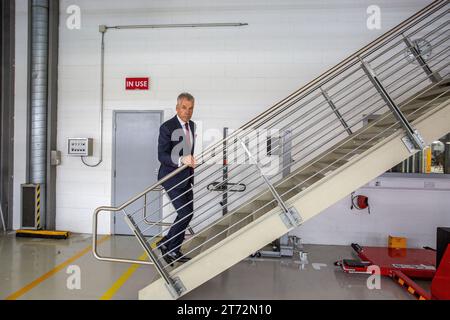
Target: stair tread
(216,234)
(238,221)
(192,247)
(302,180)
(433,92)
(416,105)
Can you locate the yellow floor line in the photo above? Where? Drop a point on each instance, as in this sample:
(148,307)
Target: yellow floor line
(127,274)
(123,278)
(39,280)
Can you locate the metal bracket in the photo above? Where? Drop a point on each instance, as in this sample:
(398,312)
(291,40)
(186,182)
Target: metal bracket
(220,186)
(176,288)
(413,135)
(434,76)
(291,218)
(410,144)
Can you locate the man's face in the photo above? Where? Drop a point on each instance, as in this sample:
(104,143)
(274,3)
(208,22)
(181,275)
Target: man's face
(185,109)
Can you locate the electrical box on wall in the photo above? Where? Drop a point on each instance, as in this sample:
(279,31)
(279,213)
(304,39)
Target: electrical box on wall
(80,147)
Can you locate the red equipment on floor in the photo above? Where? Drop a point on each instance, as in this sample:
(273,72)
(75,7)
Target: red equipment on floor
(402,265)
(440,287)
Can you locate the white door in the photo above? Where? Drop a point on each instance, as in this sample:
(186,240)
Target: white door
(135,168)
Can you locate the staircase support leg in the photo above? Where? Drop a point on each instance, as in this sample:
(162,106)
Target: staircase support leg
(291,216)
(336,111)
(286,152)
(413,141)
(174,285)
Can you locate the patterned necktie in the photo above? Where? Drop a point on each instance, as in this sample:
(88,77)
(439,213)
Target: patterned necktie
(188,136)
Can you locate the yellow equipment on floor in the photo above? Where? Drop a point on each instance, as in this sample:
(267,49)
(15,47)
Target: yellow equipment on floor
(42,234)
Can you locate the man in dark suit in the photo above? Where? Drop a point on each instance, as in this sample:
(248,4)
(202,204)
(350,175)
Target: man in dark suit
(176,145)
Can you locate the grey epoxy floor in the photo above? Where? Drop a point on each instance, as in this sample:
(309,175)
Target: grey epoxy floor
(43,269)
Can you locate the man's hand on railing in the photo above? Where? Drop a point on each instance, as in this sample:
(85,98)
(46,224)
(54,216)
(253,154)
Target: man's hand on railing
(189,161)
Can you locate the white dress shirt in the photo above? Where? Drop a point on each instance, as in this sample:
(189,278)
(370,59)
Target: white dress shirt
(191,137)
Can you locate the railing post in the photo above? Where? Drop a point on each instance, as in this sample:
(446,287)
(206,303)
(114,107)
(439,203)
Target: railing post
(434,77)
(286,154)
(225,173)
(413,140)
(336,111)
(95,238)
(174,285)
(290,217)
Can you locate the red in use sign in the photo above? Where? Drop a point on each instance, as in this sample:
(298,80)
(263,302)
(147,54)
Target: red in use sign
(137,83)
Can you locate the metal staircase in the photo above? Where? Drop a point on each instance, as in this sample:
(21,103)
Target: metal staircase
(342,130)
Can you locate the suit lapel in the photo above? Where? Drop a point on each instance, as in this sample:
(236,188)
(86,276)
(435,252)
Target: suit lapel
(177,123)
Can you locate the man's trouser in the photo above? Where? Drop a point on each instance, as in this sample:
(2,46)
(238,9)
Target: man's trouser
(182,200)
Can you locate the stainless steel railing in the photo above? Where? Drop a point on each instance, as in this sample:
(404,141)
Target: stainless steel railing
(320,117)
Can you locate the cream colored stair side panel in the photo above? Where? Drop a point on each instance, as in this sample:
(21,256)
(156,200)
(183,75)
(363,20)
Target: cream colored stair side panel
(222,256)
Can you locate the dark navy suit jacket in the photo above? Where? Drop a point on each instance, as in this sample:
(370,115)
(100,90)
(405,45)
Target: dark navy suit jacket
(167,141)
